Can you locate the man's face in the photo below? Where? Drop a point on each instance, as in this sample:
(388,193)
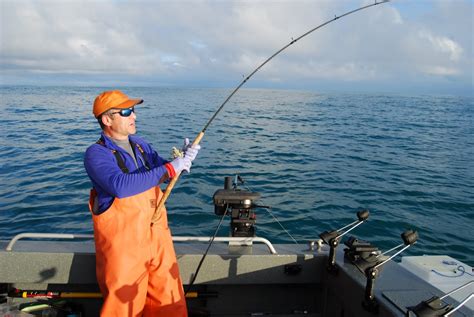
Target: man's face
(119,125)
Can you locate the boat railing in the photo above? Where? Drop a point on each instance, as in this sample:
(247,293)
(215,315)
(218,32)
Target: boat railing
(35,235)
(231,240)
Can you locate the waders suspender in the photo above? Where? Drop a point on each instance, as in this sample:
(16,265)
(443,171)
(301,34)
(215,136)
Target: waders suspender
(120,161)
(138,146)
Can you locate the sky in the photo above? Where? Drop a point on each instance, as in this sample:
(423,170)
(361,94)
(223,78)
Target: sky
(422,46)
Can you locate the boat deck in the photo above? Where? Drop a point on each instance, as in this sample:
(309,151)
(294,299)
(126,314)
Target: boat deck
(233,281)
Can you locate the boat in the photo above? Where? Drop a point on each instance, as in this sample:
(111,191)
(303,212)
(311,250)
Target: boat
(244,275)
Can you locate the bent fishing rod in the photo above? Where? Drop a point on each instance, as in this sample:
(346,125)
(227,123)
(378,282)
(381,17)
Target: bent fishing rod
(199,137)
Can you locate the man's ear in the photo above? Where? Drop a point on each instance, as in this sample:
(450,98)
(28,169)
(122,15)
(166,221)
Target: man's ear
(106,120)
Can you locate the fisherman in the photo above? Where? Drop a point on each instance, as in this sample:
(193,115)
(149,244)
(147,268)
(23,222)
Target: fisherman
(136,263)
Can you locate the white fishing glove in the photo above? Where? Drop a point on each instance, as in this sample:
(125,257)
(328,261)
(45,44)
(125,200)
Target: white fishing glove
(181,164)
(190,151)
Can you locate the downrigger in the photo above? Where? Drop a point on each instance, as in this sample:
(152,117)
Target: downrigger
(239,205)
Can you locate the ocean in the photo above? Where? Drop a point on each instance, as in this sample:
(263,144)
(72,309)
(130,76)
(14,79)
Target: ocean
(316,158)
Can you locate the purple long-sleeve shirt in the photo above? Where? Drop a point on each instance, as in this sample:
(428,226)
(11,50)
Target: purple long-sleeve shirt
(110,181)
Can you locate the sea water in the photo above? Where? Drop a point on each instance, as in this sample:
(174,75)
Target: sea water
(316,158)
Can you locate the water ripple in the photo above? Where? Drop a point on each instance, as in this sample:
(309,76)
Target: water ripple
(316,159)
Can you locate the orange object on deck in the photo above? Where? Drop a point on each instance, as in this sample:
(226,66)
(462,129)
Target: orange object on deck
(136,263)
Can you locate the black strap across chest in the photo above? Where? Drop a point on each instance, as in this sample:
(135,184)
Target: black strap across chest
(119,158)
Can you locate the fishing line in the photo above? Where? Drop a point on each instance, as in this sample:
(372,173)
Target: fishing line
(268,209)
(275,218)
(197,140)
(205,253)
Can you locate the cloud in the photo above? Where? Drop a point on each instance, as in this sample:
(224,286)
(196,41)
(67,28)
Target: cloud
(440,70)
(209,41)
(443,44)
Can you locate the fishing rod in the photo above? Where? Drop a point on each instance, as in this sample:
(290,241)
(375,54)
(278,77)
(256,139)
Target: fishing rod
(45,294)
(199,137)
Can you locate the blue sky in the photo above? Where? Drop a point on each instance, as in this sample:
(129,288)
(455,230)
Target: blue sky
(423,46)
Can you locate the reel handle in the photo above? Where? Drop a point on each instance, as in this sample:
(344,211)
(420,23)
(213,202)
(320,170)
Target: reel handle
(363,215)
(409,237)
(171,184)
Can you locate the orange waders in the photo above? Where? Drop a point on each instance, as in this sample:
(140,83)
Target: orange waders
(136,264)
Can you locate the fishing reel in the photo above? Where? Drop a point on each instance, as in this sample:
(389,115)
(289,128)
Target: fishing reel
(239,205)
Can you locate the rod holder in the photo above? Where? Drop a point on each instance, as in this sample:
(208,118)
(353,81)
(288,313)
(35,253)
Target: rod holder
(333,237)
(435,306)
(372,272)
(430,308)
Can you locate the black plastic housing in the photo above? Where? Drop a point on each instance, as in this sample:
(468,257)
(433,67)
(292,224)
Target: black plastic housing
(234,199)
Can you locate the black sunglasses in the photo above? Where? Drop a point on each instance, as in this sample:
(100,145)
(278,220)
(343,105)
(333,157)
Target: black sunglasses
(125,112)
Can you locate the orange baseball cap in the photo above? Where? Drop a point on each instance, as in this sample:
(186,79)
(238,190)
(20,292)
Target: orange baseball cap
(112,99)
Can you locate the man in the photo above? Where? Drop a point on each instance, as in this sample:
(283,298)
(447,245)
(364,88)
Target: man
(136,263)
